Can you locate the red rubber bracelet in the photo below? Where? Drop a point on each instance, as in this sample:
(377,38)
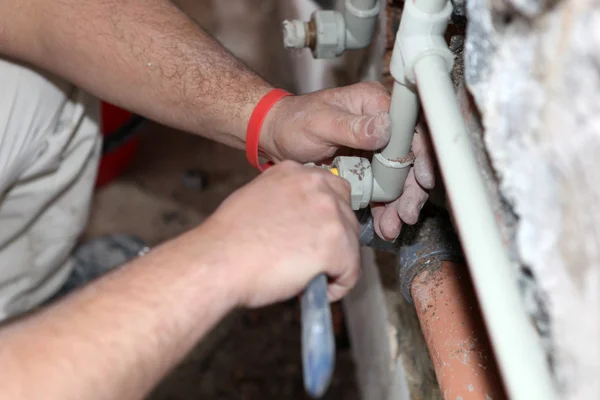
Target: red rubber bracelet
(255,125)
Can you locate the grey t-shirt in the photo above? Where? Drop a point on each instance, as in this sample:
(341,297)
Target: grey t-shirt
(49,146)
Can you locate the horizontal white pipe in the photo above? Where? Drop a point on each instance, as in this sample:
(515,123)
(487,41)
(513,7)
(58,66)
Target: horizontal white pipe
(519,354)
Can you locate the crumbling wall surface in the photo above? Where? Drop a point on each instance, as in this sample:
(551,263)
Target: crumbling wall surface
(533,67)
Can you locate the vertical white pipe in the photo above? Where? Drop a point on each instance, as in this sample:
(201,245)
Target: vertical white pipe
(520,357)
(388,176)
(364,4)
(360,22)
(431,6)
(404,109)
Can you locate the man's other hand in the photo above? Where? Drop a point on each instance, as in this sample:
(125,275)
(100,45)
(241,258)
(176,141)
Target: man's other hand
(285,227)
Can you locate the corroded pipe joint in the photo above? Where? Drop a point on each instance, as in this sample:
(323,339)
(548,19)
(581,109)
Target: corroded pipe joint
(425,245)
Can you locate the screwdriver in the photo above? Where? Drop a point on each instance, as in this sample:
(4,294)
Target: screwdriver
(318,344)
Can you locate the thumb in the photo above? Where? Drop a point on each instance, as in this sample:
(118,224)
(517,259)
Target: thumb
(362,132)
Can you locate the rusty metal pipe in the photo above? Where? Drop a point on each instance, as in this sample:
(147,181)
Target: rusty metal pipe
(455,334)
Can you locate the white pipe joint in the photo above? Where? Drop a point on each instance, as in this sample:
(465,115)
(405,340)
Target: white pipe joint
(329,33)
(357,171)
(420,34)
(360,22)
(390,176)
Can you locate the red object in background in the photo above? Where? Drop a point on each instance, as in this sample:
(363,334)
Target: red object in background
(115,161)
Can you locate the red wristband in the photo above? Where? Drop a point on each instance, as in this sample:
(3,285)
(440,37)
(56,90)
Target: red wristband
(255,124)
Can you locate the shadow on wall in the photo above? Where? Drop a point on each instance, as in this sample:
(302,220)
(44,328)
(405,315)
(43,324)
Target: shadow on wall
(251,30)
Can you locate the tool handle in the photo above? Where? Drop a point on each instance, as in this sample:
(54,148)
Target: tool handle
(318,345)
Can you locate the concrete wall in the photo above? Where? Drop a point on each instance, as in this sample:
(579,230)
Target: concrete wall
(533,69)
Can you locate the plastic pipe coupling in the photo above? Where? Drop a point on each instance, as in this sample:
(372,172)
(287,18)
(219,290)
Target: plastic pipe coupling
(357,171)
(420,34)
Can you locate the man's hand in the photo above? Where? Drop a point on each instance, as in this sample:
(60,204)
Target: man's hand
(285,227)
(315,126)
(133,325)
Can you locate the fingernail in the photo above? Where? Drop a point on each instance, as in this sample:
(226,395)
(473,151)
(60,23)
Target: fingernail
(369,127)
(424,173)
(392,233)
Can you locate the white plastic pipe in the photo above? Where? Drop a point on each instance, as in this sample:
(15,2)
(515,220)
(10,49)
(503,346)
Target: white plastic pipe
(360,17)
(388,173)
(431,6)
(516,345)
(404,109)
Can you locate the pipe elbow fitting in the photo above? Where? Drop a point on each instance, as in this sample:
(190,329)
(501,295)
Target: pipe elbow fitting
(390,176)
(420,34)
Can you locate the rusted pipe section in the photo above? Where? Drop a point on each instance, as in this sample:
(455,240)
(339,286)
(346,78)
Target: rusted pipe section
(433,277)
(455,335)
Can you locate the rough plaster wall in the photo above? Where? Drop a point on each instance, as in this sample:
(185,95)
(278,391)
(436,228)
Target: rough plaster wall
(533,67)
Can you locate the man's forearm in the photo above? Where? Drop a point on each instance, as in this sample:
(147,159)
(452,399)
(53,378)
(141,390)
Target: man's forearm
(145,55)
(116,338)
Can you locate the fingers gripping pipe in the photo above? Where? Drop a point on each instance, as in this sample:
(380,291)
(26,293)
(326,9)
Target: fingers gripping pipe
(329,33)
(391,165)
(421,34)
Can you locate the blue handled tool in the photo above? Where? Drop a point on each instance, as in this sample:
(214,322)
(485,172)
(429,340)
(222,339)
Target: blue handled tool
(318,344)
